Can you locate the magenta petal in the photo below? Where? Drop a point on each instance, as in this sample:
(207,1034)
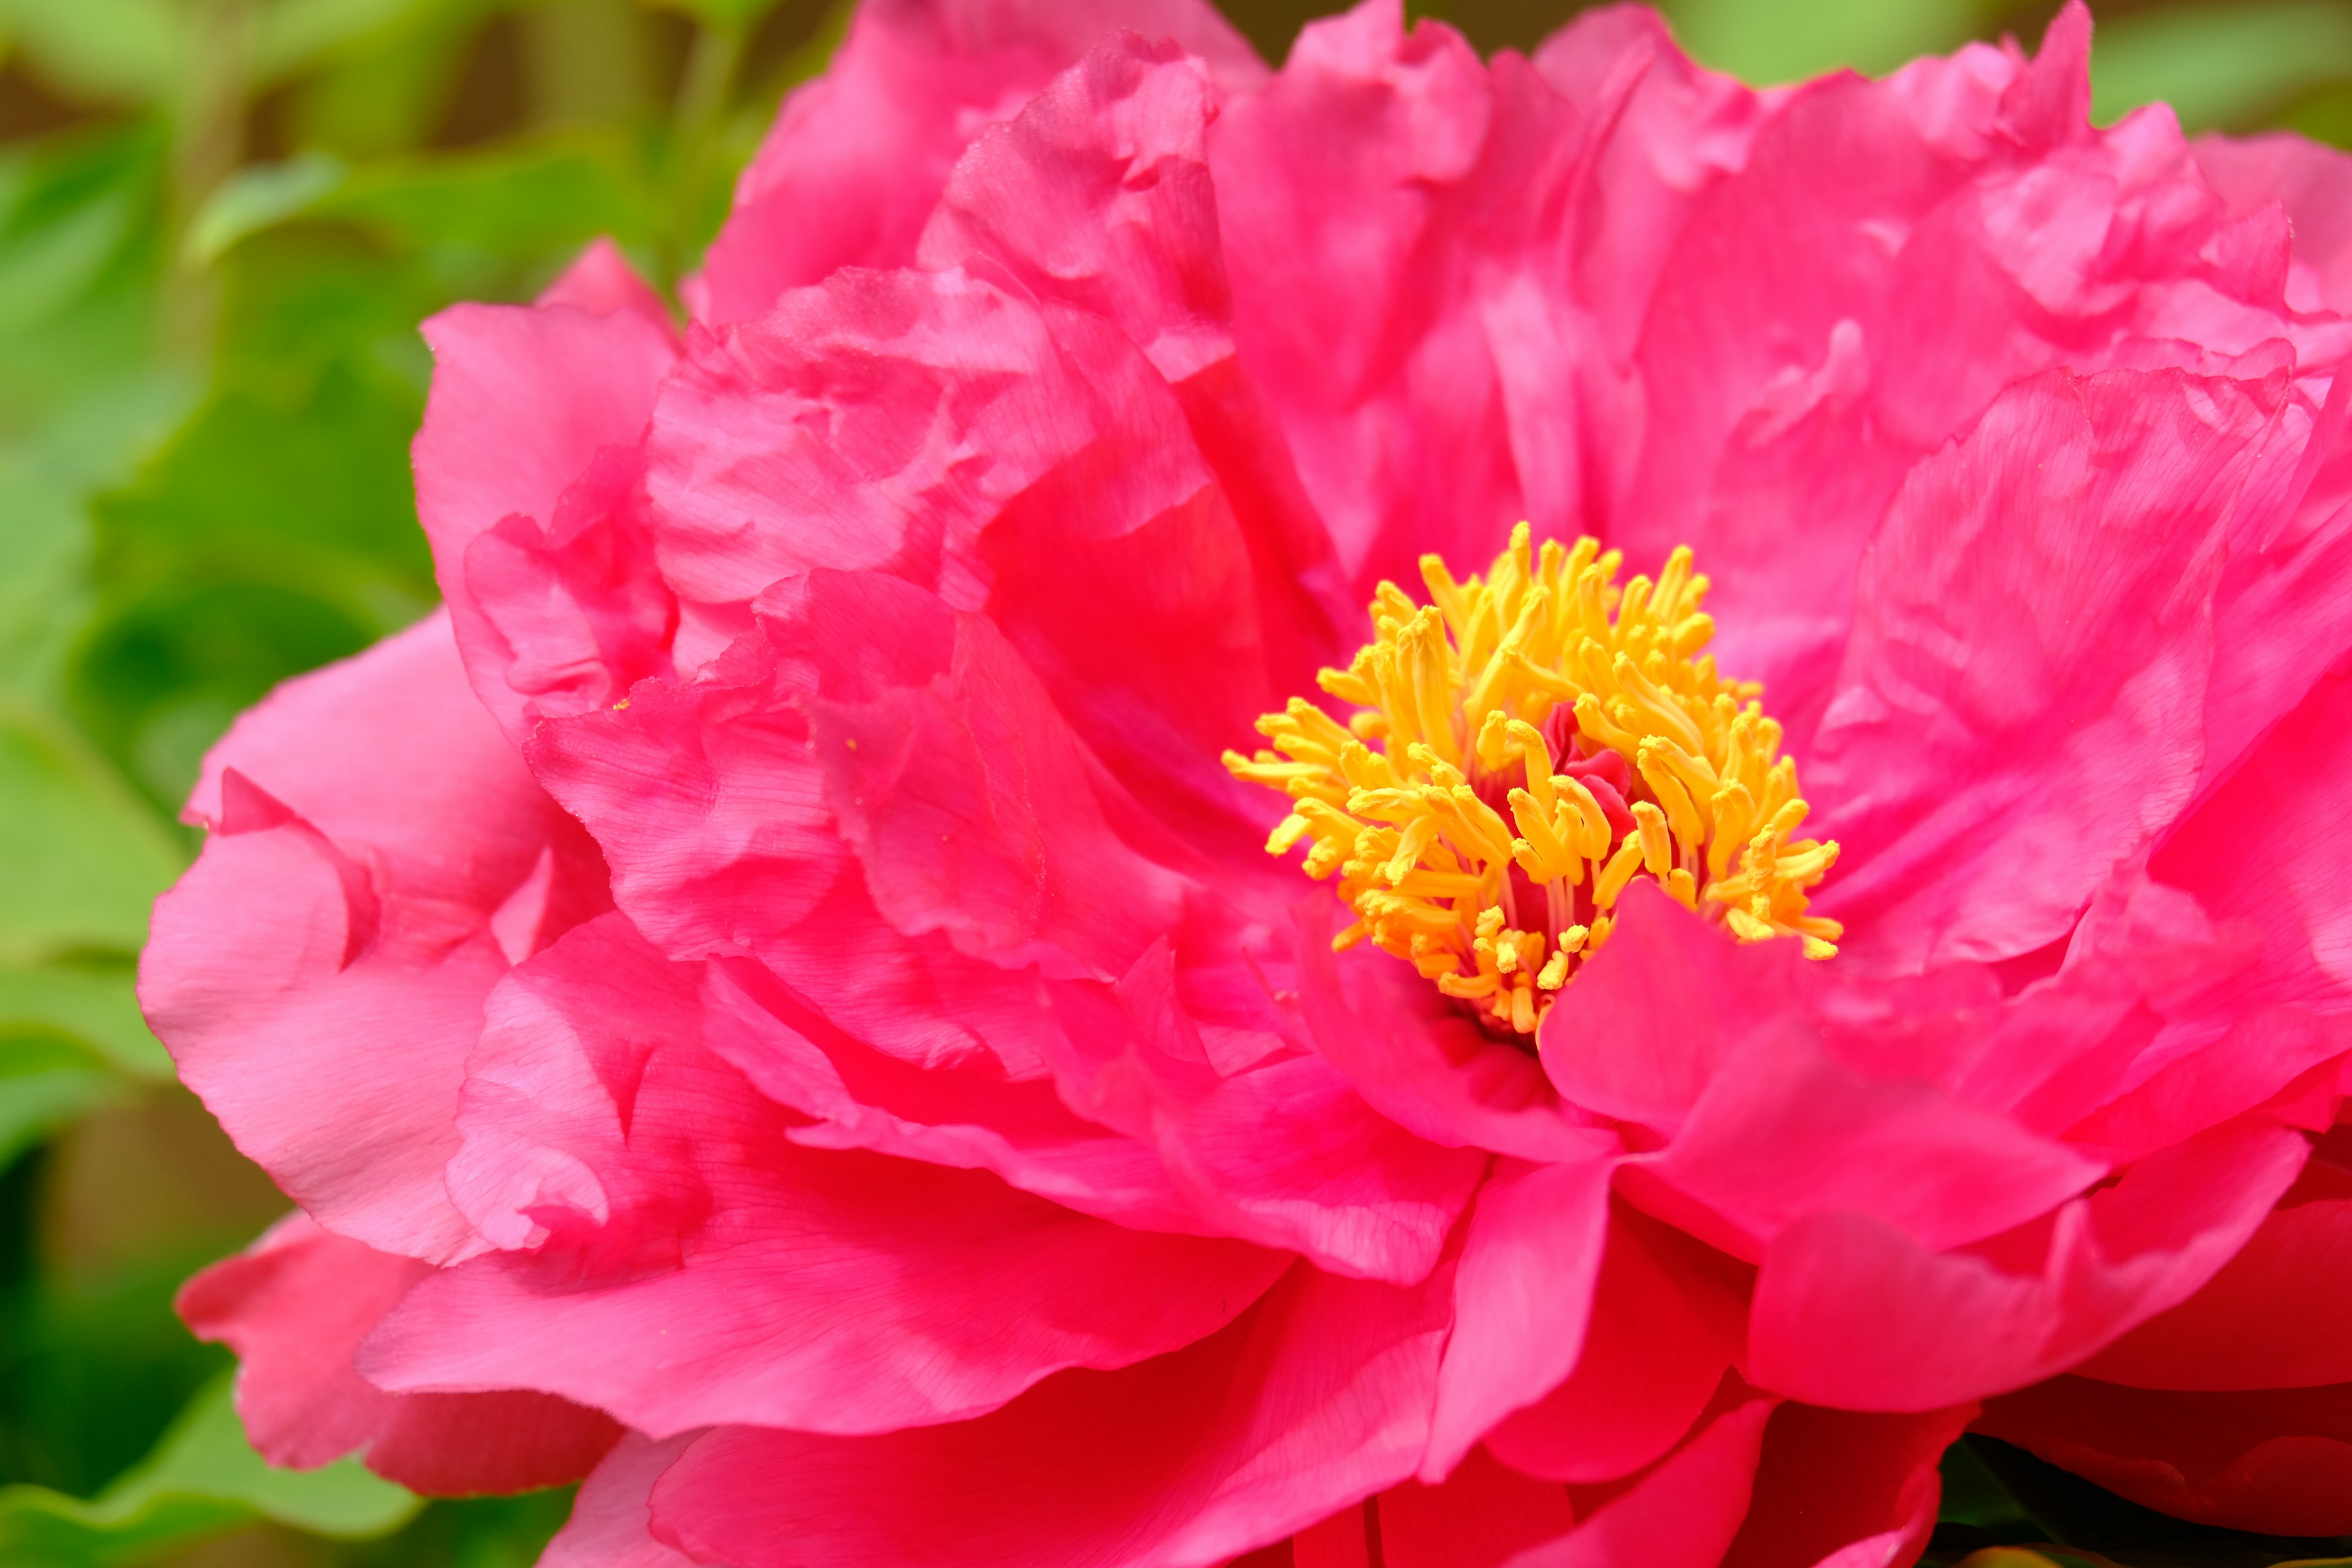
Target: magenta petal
(1522,1292)
(296,1306)
(1482,1516)
(689,1265)
(1316,1398)
(2313,183)
(1849,1312)
(866,1099)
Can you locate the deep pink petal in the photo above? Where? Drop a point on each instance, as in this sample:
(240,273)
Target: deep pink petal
(1522,1295)
(1316,1398)
(689,1265)
(1684,1513)
(857,161)
(1849,1313)
(866,1099)
(2276,1461)
(1097,198)
(1483,1515)
(294,1309)
(2271,1319)
(1669,1319)
(1838,1490)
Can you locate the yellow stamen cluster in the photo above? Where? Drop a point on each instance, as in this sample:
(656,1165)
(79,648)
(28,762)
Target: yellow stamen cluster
(1478,747)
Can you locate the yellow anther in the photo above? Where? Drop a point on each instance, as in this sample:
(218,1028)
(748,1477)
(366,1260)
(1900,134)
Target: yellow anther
(1537,756)
(1618,872)
(1440,799)
(1656,839)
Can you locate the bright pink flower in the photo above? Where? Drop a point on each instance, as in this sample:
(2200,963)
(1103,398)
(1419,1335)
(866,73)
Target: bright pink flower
(780,971)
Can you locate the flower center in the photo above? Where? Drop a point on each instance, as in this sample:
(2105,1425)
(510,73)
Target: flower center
(1523,748)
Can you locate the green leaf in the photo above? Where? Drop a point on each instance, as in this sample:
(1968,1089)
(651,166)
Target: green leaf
(96,1007)
(1767,41)
(203,1478)
(546,194)
(115,49)
(46,1082)
(258,198)
(85,858)
(2219,66)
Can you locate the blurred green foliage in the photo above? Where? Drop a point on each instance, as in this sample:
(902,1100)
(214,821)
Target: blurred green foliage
(220,223)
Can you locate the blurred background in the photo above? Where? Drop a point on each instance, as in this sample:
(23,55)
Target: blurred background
(220,222)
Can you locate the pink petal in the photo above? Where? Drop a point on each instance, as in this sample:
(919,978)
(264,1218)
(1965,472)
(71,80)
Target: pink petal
(524,400)
(1420,1063)
(1669,1319)
(1848,1311)
(296,1306)
(1316,1398)
(2067,546)
(612,1516)
(1784,1131)
(319,984)
(1343,1184)
(1653,1017)
(868,1098)
(1522,1295)
(2268,849)
(2313,183)
(2278,1461)
(857,161)
(689,1265)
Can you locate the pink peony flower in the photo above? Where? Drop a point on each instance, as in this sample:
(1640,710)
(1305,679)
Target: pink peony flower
(779,995)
